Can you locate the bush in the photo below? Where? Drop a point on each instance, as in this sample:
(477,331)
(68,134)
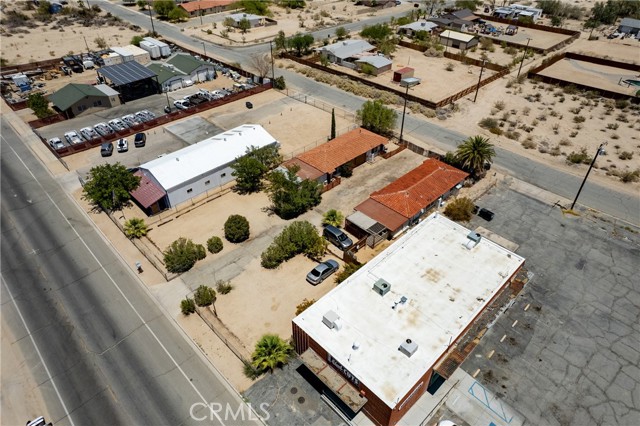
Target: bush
(348,270)
(499,105)
(625,155)
(460,209)
(250,371)
(181,255)
(630,176)
(204,296)
(301,237)
(304,305)
(579,119)
(450,66)
(488,123)
(236,229)
(578,157)
(279,83)
(214,245)
(135,228)
(529,143)
(224,287)
(622,103)
(187,306)
(333,217)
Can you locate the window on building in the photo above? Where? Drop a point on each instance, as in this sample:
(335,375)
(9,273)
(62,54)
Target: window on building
(99,102)
(223,175)
(207,182)
(189,190)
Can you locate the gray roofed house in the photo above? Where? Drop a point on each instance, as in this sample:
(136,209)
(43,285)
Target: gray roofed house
(254,20)
(414,27)
(196,69)
(379,63)
(169,77)
(75,99)
(629,26)
(341,52)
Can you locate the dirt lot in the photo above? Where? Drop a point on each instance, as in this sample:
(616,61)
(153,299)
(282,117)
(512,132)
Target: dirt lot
(600,76)
(539,38)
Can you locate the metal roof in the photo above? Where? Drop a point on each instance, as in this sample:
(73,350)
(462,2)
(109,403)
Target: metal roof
(148,192)
(454,35)
(347,48)
(375,60)
(187,63)
(419,26)
(164,72)
(126,73)
(67,96)
(630,22)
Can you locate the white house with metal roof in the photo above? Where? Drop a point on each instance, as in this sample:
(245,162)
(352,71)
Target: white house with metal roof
(458,40)
(346,51)
(378,340)
(378,63)
(193,170)
(411,28)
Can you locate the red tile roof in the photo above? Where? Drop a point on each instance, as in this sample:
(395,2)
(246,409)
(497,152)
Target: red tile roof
(419,188)
(381,214)
(306,171)
(333,154)
(148,192)
(204,4)
(404,70)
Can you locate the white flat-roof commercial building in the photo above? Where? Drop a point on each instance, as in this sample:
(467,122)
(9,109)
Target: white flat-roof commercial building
(193,170)
(376,339)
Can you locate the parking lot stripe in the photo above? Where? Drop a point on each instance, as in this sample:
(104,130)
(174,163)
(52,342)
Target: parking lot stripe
(503,337)
(491,353)
(514,323)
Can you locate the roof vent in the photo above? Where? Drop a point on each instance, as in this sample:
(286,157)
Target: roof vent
(355,346)
(332,320)
(474,239)
(381,287)
(408,347)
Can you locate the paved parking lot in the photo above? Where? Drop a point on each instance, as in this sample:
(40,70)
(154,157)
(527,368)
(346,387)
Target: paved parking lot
(567,351)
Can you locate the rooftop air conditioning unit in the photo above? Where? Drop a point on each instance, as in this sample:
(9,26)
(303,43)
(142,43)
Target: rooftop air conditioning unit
(408,347)
(473,240)
(332,320)
(381,287)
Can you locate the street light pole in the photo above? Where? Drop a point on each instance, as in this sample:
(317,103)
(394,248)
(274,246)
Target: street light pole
(524,55)
(153,29)
(273,70)
(479,79)
(204,47)
(598,152)
(406,83)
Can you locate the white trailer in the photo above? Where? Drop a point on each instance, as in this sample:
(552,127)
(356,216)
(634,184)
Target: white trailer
(165,50)
(154,51)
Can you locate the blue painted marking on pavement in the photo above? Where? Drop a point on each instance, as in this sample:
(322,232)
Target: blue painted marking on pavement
(480,393)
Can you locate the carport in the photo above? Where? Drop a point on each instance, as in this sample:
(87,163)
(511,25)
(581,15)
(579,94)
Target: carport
(361,225)
(132,80)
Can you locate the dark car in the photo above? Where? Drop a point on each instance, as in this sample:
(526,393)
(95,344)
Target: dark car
(140,140)
(249,105)
(486,214)
(322,271)
(106,149)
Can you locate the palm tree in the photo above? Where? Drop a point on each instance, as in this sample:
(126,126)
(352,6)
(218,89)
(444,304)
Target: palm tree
(135,228)
(474,153)
(333,217)
(271,352)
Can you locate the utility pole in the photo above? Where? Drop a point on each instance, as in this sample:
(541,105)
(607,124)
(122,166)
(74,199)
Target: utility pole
(200,13)
(479,79)
(153,30)
(204,47)
(406,83)
(273,70)
(524,55)
(598,152)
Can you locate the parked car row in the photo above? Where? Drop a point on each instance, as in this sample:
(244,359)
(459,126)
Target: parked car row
(199,97)
(72,137)
(122,144)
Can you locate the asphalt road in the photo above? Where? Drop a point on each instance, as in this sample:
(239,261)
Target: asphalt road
(100,349)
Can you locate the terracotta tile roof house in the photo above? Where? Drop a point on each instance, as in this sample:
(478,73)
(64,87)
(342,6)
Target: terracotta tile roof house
(352,147)
(204,7)
(408,197)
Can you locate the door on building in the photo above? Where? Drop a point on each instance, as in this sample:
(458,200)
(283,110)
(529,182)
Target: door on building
(435,382)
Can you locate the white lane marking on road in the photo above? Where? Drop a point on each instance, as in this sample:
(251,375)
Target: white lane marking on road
(166,351)
(26,327)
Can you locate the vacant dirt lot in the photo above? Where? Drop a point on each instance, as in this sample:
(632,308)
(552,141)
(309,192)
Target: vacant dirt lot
(539,38)
(594,75)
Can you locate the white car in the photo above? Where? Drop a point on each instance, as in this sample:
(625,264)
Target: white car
(103,129)
(131,120)
(88,133)
(117,124)
(181,104)
(56,143)
(73,137)
(122,145)
(187,83)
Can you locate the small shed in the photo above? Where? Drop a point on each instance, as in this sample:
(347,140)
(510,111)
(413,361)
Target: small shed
(405,72)
(511,30)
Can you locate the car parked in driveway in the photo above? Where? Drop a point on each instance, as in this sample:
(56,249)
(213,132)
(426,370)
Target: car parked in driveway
(73,137)
(123,145)
(103,129)
(140,140)
(337,237)
(88,133)
(106,149)
(322,271)
(117,124)
(181,104)
(56,143)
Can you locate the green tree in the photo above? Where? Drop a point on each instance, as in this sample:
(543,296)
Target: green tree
(214,245)
(43,12)
(556,20)
(163,7)
(181,255)
(333,123)
(592,24)
(135,228)
(229,23)
(301,237)
(300,43)
(378,118)
(256,7)
(101,42)
(178,14)
(142,4)
(244,25)
(290,196)
(460,209)
(279,83)
(135,40)
(280,41)
(270,353)
(474,153)
(376,33)
(205,296)
(349,269)
(468,4)
(40,105)
(109,185)
(250,169)
(236,228)
(187,306)
(341,33)
(293,4)
(333,217)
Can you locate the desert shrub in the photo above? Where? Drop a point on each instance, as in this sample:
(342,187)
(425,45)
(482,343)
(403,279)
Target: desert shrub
(613,126)
(204,296)
(460,209)
(304,305)
(496,131)
(565,142)
(625,155)
(555,151)
(187,306)
(488,123)
(236,228)
(511,134)
(450,66)
(529,143)
(181,255)
(486,44)
(580,157)
(570,89)
(224,287)
(348,270)
(630,176)
(201,253)
(622,118)
(622,103)
(575,110)
(510,50)
(579,119)
(214,245)
(301,237)
(615,136)
(499,105)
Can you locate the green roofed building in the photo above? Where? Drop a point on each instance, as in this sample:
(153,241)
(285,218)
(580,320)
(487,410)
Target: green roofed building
(78,99)
(197,69)
(169,77)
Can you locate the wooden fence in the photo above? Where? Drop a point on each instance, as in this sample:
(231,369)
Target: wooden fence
(535,73)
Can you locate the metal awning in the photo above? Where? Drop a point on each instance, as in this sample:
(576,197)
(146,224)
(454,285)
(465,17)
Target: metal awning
(126,73)
(333,380)
(148,192)
(367,224)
